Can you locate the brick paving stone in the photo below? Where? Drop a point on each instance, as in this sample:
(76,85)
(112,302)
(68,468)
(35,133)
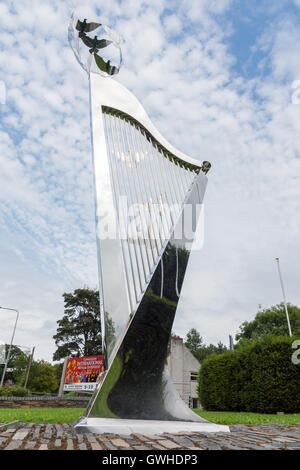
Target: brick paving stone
(13,445)
(119,443)
(101,439)
(19,436)
(247,445)
(59,430)
(158,447)
(30,445)
(36,432)
(48,433)
(228,446)
(240,444)
(244,435)
(150,437)
(130,441)
(291,435)
(95,446)
(110,446)
(258,437)
(273,446)
(44,441)
(295,445)
(206,444)
(140,448)
(83,446)
(70,445)
(124,436)
(238,429)
(43,447)
(183,441)
(140,437)
(169,444)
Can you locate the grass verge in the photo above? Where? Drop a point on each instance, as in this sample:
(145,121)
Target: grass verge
(231,417)
(68,415)
(41,415)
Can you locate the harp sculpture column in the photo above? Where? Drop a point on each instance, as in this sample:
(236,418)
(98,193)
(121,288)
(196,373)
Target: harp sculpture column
(148,196)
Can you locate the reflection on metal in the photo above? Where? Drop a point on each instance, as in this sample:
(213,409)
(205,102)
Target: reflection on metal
(143,187)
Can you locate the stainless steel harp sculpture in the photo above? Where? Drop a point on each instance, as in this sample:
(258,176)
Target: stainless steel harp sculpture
(147,196)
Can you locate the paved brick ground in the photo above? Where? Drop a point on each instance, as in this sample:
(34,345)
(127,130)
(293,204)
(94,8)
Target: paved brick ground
(63,437)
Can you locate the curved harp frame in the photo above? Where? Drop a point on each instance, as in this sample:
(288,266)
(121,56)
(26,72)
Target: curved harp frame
(133,320)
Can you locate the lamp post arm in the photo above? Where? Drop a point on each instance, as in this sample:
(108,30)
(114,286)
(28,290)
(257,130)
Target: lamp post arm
(11,342)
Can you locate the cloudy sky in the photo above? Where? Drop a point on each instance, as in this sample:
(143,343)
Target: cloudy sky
(219,80)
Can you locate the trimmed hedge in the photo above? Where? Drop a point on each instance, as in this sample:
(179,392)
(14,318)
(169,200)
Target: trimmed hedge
(259,377)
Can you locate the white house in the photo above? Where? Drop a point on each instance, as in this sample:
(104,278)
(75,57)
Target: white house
(184,368)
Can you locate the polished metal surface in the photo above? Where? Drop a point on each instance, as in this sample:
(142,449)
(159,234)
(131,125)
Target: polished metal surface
(148,196)
(136,384)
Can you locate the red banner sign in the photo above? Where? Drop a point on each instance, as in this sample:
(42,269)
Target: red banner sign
(82,371)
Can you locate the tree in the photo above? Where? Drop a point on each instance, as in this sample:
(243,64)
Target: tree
(19,365)
(193,341)
(195,344)
(17,361)
(42,377)
(270,321)
(79,330)
(58,368)
(205,351)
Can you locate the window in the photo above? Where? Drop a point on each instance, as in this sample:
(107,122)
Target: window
(194,376)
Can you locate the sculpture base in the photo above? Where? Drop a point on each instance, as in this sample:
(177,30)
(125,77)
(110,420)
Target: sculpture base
(139,426)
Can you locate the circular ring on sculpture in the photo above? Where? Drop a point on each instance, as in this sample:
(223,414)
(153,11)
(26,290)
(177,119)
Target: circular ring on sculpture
(90,51)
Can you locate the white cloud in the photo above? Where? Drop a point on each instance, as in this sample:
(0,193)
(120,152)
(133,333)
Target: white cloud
(180,68)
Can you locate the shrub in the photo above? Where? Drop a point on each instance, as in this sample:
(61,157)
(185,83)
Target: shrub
(13,391)
(19,391)
(259,377)
(5,391)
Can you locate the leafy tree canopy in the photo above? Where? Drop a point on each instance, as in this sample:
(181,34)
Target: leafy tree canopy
(42,377)
(270,321)
(79,330)
(195,343)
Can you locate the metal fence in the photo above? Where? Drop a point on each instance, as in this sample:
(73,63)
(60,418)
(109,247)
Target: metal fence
(44,398)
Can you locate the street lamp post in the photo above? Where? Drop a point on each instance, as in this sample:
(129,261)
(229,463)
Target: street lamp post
(11,342)
(284,299)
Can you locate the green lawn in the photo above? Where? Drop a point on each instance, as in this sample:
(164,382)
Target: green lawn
(68,415)
(231,417)
(41,415)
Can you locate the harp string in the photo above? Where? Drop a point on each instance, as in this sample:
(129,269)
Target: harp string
(157,185)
